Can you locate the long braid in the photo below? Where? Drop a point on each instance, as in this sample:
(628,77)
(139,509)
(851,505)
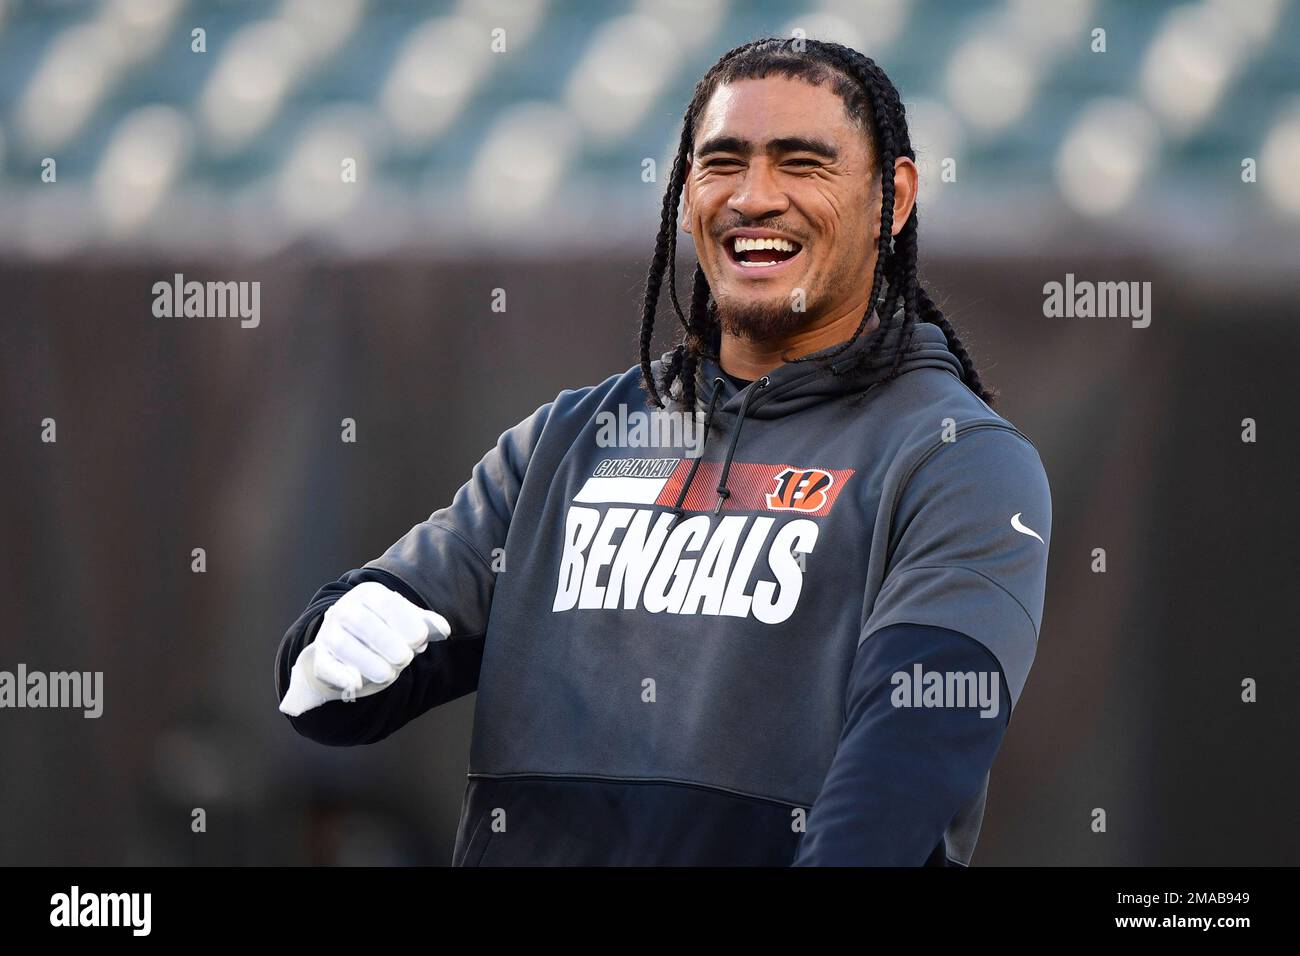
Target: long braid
(688,377)
(909,287)
(917,307)
(871,78)
(673,367)
(666,241)
(676,183)
(930,313)
(696,328)
(871,98)
(665,244)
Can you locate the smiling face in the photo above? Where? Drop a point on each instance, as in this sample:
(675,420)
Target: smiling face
(782,195)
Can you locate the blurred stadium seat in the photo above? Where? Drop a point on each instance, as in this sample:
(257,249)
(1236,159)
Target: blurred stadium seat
(514,121)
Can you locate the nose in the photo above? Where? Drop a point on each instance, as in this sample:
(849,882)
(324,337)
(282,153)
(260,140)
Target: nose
(758,195)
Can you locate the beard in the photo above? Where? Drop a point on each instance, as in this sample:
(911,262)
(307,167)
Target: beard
(761,320)
(774,318)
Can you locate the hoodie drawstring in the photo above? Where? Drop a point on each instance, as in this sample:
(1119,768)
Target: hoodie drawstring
(723,491)
(695,465)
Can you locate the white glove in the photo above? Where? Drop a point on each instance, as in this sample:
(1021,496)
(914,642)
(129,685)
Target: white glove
(365,640)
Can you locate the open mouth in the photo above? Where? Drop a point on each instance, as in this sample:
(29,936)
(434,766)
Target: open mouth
(761,253)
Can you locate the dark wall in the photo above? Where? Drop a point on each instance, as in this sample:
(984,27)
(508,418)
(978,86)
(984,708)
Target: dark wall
(182,433)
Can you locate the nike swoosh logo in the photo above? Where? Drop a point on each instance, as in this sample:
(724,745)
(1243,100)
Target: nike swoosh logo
(1024,529)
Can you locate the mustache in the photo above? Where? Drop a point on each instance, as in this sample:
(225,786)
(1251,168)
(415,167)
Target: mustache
(776,225)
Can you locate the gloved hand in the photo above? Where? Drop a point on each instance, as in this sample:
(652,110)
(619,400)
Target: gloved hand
(365,640)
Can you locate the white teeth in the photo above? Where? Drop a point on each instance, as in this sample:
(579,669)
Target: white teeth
(746,244)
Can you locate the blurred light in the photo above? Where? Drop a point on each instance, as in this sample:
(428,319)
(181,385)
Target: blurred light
(519,18)
(1105,156)
(435,73)
(525,156)
(936,134)
(1188,65)
(383,224)
(996,72)
(250,82)
(820,25)
(1050,26)
(143,160)
(310,185)
(876,23)
(256,227)
(990,81)
(141,25)
(82,64)
(52,222)
(1279,162)
(692,21)
(620,76)
(1257,19)
(324,26)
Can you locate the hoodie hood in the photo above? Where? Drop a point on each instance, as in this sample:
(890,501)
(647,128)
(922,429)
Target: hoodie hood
(795,386)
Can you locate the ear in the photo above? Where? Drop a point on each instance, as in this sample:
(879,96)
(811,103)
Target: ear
(686,199)
(906,182)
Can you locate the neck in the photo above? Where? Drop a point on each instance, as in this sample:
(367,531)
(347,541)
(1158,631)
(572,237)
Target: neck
(747,359)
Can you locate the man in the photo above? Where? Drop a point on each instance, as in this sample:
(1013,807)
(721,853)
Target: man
(801,645)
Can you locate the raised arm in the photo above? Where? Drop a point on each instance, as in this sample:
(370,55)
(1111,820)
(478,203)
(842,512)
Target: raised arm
(444,565)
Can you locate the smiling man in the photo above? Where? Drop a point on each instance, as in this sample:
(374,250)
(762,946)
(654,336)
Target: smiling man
(802,645)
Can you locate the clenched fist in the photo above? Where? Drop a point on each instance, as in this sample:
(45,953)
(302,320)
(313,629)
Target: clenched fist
(365,640)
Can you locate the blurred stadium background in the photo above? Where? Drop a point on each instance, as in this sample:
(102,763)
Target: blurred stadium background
(524,168)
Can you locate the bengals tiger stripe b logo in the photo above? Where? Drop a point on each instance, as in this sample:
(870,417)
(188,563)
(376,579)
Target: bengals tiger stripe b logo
(800,489)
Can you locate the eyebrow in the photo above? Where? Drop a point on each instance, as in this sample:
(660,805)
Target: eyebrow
(783,144)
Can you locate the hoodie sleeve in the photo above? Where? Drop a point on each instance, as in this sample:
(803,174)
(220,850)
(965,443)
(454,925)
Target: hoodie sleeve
(962,595)
(901,774)
(445,564)
(968,547)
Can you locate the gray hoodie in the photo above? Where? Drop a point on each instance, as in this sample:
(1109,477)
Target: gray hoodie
(663,645)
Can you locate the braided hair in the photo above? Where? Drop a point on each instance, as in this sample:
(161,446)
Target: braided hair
(872,100)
